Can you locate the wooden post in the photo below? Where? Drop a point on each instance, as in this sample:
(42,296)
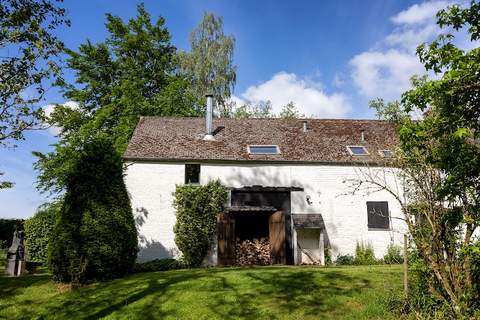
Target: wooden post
(405,264)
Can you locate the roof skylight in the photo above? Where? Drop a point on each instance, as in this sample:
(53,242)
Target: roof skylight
(386,153)
(357,150)
(263,149)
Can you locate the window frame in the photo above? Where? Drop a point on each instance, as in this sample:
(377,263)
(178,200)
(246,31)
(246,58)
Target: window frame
(350,151)
(185,173)
(382,153)
(389,217)
(277,148)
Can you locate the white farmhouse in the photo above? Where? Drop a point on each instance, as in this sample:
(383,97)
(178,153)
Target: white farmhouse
(286,181)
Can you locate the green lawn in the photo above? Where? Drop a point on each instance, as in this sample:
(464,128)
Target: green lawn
(283,292)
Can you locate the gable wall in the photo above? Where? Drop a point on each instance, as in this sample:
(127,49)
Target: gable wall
(151,186)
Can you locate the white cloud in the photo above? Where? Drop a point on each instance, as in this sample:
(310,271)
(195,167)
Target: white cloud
(419,13)
(410,38)
(386,70)
(384,74)
(285,87)
(49,108)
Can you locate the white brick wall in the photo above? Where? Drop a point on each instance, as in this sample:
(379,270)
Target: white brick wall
(151,186)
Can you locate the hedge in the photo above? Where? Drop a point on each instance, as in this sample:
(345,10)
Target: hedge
(95,236)
(197,208)
(7,228)
(38,231)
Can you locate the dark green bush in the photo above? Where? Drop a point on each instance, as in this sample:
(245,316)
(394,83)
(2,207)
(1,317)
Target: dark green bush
(364,254)
(345,260)
(393,255)
(38,230)
(158,265)
(95,236)
(7,228)
(328,256)
(197,209)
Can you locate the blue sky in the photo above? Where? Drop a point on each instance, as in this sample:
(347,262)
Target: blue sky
(329,57)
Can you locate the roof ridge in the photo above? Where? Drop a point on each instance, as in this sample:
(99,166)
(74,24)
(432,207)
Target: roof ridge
(265,119)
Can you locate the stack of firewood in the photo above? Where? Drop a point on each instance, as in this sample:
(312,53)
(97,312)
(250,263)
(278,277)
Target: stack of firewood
(256,252)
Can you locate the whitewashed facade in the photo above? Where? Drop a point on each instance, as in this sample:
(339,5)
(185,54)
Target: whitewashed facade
(152,183)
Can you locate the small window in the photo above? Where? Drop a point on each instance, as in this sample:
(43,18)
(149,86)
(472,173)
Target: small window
(263,150)
(192,173)
(386,153)
(357,150)
(378,215)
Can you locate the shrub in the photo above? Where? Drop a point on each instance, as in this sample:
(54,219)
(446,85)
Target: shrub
(95,236)
(328,256)
(197,209)
(158,265)
(394,254)
(7,228)
(345,260)
(38,230)
(364,254)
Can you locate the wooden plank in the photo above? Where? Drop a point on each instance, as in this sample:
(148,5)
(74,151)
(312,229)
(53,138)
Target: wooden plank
(277,237)
(226,240)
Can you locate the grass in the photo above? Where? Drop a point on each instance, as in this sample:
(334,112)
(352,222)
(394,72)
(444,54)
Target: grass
(283,292)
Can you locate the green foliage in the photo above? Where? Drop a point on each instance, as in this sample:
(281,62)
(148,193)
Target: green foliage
(158,265)
(393,255)
(328,256)
(7,228)
(290,111)
(132,73)
(38,231)
(364,254)
(197,208)
(30,52)
(95,235)
(440,160)
(249,110)
(345,260)
(209,64)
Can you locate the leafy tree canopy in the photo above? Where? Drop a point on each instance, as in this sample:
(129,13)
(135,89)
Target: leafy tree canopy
(440,156)
(132,73)
(209,64)
(29,53)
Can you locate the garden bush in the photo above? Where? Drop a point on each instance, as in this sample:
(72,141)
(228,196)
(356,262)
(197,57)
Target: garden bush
(158,265)
(364,254)
(38,230)
(95,236)
(7,228)
(197,208)
(345,260)
(393,255)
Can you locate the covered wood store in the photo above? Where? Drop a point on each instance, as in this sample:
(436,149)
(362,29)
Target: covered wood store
(256,213)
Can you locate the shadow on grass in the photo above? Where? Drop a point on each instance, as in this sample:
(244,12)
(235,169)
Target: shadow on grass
(9,286)
(284,291)
(247,293)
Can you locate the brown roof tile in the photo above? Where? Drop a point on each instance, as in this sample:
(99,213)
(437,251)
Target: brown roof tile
(159,138)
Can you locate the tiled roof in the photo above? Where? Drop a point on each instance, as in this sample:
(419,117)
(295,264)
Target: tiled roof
(326,140)
(310,220)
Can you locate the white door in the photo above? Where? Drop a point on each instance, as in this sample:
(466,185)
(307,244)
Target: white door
(308,243)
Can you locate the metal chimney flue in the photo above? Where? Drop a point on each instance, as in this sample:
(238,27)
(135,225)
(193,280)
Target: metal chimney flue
(209,118)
